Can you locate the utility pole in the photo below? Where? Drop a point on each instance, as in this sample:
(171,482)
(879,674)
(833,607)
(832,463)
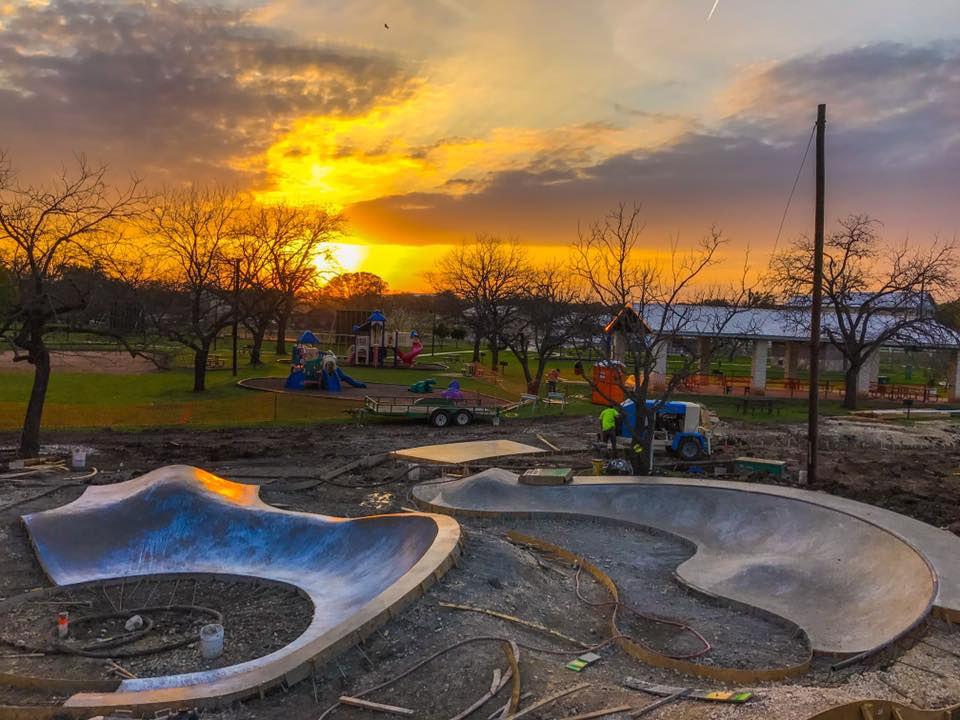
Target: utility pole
(236,310)
(817,303)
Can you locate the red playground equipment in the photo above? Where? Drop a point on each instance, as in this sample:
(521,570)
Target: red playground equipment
(372,343)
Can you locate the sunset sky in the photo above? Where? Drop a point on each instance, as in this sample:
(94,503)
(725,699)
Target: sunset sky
(514,118)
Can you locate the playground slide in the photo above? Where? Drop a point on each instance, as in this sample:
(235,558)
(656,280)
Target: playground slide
(408,357)
(341,375)
(329,381)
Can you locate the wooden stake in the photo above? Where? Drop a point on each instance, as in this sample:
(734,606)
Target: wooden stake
(547,700)
(377,707)
(519,621)
(659,703)
(546,442)
(599,713)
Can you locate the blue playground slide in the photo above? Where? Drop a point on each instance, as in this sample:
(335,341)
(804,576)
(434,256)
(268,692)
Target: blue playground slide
(349,380)
(329,381)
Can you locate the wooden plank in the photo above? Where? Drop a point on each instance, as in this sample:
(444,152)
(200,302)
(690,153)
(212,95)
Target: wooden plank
(547,700)
(376,707)
(646,709)
(598,713)
(518,621)
(499,682)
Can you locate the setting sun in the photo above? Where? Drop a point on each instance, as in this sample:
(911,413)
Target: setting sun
(344,258)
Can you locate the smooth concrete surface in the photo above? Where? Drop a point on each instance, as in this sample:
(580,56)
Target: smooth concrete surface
(847,573)
(463,452)
(180,519)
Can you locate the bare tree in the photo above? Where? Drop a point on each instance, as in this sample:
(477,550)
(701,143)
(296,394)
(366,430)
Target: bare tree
(48,236)
(293,264)
(652,305)
(488,275)
(873,294)
(195,231)
(279,247)
(551,312)
(355,286)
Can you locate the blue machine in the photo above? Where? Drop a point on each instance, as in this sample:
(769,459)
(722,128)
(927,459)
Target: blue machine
(678,427)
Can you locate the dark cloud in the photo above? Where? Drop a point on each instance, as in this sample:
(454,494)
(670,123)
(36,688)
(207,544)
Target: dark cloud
(893,150)
(177,88)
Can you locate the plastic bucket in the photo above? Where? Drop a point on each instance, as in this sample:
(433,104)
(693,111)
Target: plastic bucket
(211,641)
(78,459)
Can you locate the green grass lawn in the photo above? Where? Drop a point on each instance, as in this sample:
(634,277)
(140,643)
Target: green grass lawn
(159,399)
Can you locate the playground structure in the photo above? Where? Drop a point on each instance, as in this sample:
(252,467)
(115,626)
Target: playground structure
(310,366)
(357,572)
(372,344)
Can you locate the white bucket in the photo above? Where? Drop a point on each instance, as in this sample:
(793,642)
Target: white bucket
(78,459)
(211,641)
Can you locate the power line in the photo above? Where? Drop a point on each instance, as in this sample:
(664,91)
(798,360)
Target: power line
(794,188)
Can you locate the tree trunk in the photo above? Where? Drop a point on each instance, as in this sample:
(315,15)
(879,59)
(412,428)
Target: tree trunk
(257,347)
(476,347)
(200,368)
(282,319)
(850,387)
(30,436)
(494,353)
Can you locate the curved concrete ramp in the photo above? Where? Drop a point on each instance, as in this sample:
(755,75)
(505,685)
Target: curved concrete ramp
(885,710)
(852,585)
(180,519)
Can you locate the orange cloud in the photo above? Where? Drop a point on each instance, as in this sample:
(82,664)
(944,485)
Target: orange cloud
(405,148)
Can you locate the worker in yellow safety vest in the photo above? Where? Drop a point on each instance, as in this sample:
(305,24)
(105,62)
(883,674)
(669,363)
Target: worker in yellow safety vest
(608,426)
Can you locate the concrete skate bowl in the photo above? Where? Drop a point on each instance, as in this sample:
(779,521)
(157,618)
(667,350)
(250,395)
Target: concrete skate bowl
(854,578)
(178,520)
(885,710)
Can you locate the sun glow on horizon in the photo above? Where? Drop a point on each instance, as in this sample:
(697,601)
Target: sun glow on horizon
(340,257)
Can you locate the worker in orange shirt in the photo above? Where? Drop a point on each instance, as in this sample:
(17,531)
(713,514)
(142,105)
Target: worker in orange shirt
(553,377)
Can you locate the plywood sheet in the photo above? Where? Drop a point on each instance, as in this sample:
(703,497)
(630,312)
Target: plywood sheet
(464,452)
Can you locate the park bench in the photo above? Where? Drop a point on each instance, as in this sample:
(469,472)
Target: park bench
(215,362)
(556,398)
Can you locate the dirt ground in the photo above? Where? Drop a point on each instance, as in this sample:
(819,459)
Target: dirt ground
(106,361)
(910,469)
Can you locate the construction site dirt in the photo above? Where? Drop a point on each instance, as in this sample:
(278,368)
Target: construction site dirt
(909,468)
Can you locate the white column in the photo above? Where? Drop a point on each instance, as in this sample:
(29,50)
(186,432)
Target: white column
(758,368)
(617,346)
(791,354)
(831,360)
(704,355)
(953,377)
(869,372)
(659,379)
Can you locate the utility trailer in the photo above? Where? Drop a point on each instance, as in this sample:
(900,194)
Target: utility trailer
(440,411)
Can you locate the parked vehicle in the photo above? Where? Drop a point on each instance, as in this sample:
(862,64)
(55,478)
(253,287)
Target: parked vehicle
(680,427)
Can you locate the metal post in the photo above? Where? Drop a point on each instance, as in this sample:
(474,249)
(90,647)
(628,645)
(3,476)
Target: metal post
(236,310)
(817,302)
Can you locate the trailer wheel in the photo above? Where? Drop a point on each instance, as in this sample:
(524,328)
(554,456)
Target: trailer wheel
(439,418)
(463,417)
(689,449)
